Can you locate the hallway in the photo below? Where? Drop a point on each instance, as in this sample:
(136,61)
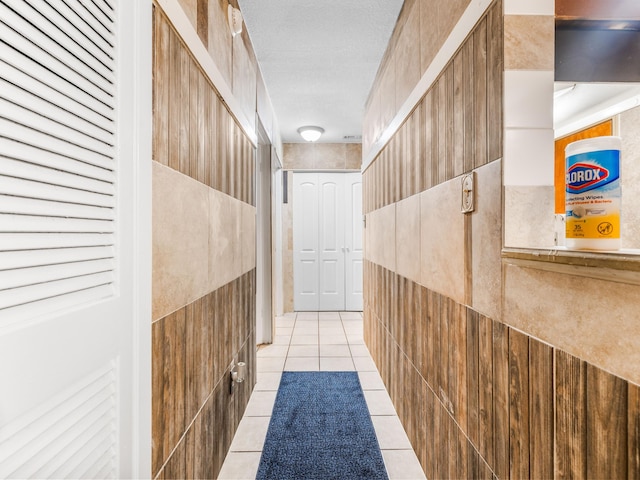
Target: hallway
(318,341)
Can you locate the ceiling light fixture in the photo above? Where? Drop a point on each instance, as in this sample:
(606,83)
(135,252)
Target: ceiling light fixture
(310,133)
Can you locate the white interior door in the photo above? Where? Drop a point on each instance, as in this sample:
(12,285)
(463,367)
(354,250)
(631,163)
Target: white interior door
(306,255)
(327,238)
(353,242)
(74,239)
(332,241)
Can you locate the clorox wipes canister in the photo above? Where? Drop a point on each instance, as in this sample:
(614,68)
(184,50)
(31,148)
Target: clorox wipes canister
(593,194)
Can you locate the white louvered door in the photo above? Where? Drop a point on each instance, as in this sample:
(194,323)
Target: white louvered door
(67,231)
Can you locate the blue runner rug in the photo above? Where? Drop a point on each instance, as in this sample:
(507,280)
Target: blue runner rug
(320,429)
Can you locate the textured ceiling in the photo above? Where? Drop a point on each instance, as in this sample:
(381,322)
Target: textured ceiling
(319,58)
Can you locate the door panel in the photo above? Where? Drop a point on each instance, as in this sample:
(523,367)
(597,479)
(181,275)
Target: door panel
(332,241)
(305,242)
(353,242)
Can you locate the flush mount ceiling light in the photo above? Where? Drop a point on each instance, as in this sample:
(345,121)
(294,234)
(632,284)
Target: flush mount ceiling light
(235,20)
(310,134)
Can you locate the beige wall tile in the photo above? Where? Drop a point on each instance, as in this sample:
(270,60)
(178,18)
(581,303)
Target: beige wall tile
(443,240)
(220,38)
(380,237)
(180,240)
(322,156)
(248,237)
(630,178)
(588,318)
(486,234)
(408,242)
(225,239)
(353,156)
(529,216)
(529,42)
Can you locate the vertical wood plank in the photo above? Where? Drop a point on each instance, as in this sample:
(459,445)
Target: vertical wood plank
(607,437)
(473,389)
(480,92)
(468,86)
(212,150)
(191,365)
(458,382)
(186,64)
(571,416)
(519,404)
(192,159)
(427,143)
(418,161)
(458,115)
(204,97)
(443,351)
(435,138)
(634,431)
(169,401)
(450,141)
(161,85)
(174,100)
(541,409)
(485,388)
(432,443)
(158,431)
(495,67)
(501,399)
(441,89)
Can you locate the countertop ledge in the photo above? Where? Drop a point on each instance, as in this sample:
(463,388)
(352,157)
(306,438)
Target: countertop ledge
(618,266)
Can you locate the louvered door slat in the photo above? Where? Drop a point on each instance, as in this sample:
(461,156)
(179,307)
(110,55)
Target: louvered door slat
(23,223)
(19,69)
(97,13)
(62,38)
(26,276)
(29,206)
(59,131)
(72,32)
(26,170)
(104,9)
(73,10)
(33,258)
(42,140)
(28,241)
(32,155)
(47,53)
(36,103)
(24,295)
(31,189)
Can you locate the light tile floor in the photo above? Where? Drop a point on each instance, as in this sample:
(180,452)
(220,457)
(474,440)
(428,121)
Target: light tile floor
(312,341)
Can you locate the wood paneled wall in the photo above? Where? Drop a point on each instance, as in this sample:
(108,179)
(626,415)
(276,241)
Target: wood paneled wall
(194,133)
(456,127)
(479,399)
(194,415)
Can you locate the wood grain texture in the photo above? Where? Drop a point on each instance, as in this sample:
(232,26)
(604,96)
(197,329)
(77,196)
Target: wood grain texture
(161,87)
(540,410)
(468,87)
(495,70)
(633,429)
(607,438)
(519,404)
(501,399)
(473,377)
(480,93)
(570,416)
(485,389)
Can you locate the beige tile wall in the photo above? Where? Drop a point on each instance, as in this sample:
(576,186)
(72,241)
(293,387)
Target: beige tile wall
(630,178)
